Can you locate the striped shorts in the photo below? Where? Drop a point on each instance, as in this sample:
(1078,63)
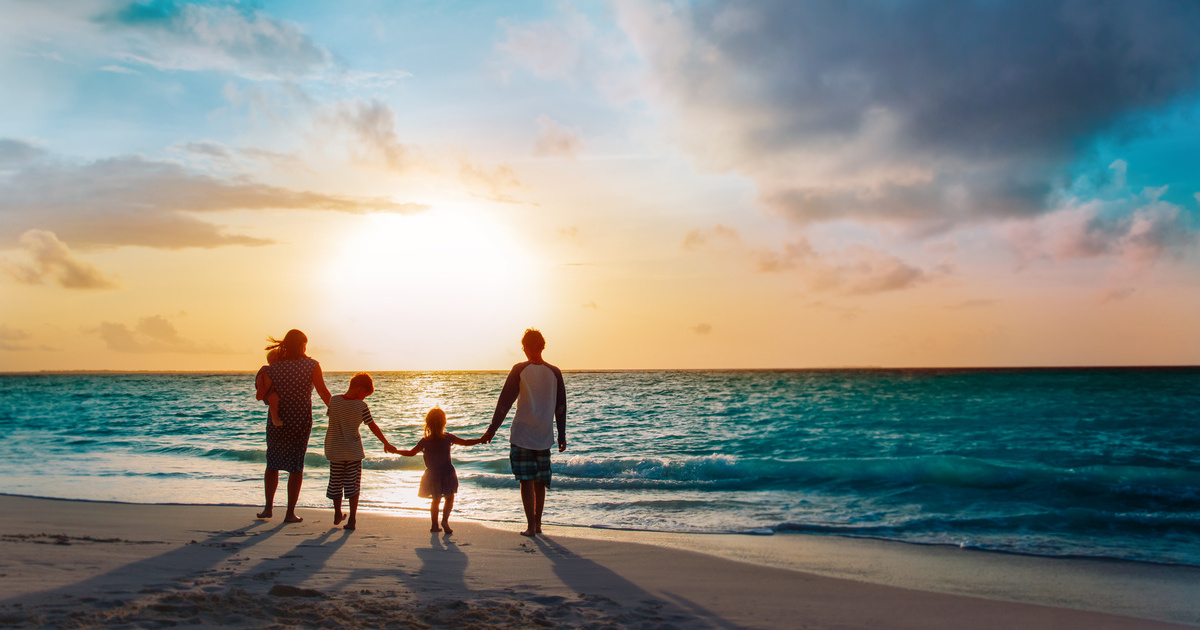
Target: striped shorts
(530,465)
(344,478)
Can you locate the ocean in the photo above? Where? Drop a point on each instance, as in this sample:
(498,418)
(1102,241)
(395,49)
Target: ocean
(1057,462)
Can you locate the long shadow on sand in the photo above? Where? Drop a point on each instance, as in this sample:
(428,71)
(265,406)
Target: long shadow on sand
(194,562)
(586,577)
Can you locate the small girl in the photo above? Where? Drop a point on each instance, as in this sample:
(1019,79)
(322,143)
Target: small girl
(440,479)
(270,397)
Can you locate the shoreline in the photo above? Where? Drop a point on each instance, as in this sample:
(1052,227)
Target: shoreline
(125,561)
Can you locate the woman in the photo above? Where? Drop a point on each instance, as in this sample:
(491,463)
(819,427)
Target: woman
(293,378)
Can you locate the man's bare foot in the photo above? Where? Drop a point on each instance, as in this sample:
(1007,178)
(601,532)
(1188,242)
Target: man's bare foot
(265,514)
(529,532)
(337,518)
(446,528)
(292,518)
(350,525)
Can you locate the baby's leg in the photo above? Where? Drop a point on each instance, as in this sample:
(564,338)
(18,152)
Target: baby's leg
(273,407)
(446,514)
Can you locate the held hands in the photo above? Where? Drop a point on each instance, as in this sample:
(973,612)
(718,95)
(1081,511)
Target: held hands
(388,448)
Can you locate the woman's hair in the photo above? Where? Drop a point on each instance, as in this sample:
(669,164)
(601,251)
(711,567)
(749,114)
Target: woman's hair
(291,346)
(435,423)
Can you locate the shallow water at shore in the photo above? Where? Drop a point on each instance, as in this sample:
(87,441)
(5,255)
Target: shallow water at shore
(1102,463)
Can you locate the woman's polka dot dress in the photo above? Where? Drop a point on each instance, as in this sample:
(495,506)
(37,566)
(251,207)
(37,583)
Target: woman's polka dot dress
(287,445)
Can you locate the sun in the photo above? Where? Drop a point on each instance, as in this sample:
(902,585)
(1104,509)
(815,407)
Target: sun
(449,288)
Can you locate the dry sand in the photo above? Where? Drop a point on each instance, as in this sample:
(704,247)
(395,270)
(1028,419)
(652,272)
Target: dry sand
(85,564)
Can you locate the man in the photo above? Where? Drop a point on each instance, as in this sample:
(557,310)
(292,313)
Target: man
(537,388)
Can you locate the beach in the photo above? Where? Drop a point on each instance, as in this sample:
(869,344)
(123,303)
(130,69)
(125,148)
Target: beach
(69,563)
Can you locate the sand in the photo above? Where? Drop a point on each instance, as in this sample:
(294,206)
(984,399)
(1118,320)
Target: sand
(79,564)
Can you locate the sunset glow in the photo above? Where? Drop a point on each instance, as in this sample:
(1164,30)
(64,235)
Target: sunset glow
(652,184)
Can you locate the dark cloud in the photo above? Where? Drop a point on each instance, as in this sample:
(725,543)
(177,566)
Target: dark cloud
(132,200)
(47,258)
(919,111)
(15,153)
(153,334)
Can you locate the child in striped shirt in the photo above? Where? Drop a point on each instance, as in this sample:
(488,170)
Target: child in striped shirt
(344,447)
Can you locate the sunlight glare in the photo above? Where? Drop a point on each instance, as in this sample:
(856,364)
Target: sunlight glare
(444,288)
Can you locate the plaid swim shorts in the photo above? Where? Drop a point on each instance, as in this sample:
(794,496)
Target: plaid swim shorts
(530,465)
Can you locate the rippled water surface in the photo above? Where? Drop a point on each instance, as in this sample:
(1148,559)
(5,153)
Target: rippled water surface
(1056,462)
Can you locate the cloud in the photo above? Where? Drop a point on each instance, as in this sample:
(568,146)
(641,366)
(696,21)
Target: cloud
(555,141)
(702,329)
(1134,230)
(153,334)
(1117,294)
(170,35)
(118,69)
(16,153)
(132,200)
(49,258)
(972,304)
(11,339)
(856,269)
(924,113)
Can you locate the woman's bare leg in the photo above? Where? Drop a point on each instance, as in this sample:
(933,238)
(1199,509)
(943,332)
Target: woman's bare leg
(295,481)
(270,484)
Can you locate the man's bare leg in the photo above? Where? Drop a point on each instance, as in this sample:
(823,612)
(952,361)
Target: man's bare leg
(539,490)
(529,504)
(270,484)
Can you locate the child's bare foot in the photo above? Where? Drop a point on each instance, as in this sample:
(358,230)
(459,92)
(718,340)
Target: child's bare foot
(350,525)
(292,518)
(529,532)
(446,528)
(265,514)
(337,518)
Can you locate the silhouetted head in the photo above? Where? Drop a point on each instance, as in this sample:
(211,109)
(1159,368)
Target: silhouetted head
(435,423)
(361,386)
(292,346)
(533,342)
(273,355)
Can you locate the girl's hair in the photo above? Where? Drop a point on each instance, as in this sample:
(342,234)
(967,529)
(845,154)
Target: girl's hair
(291,346)
(435,423)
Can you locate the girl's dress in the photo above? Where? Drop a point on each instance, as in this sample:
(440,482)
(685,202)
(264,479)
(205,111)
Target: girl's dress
(286,445)
(440,478)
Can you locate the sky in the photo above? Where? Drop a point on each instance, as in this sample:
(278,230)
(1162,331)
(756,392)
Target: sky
(653,184)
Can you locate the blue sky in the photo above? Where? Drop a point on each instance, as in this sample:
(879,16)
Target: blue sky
(742,184)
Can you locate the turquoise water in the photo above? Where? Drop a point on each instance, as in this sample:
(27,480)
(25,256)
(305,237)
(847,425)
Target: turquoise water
(1101,462)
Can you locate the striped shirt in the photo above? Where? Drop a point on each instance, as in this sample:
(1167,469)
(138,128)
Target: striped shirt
(342,441)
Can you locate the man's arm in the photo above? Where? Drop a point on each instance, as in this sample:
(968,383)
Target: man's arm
(560,411)
(508,396)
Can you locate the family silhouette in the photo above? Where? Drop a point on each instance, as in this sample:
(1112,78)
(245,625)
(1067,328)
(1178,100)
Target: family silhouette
(286,384)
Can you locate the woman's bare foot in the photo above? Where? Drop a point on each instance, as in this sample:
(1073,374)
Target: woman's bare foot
(435,529)
(337,518)
(292,518)
(446,528)
(529,532)
(265,514)
(350,525)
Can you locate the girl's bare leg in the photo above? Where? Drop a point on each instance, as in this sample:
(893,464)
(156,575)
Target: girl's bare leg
(433,513)
(446,514)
